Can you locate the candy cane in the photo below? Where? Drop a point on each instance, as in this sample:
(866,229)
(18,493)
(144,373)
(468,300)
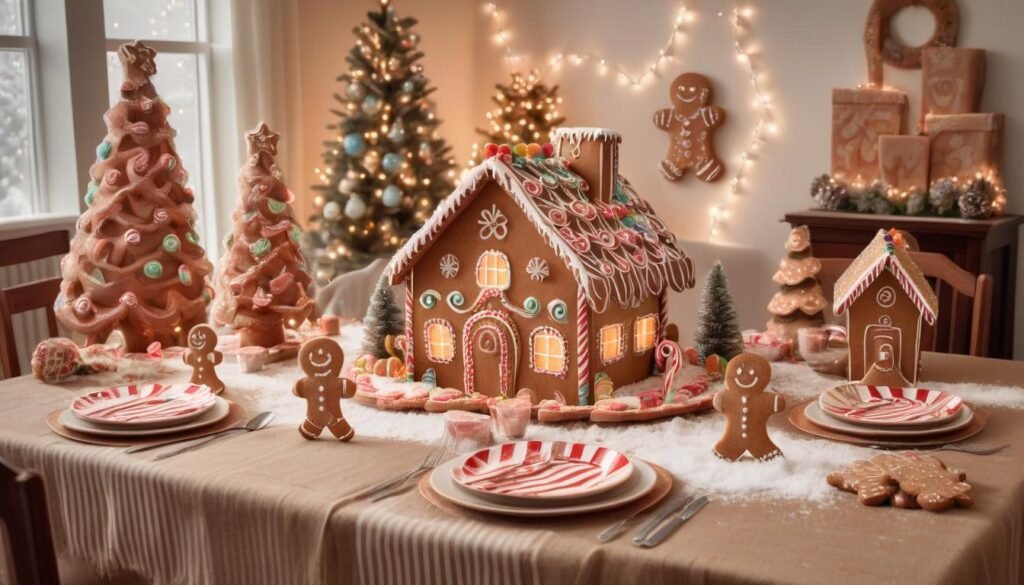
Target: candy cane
(409,374)
(669,359)
(582,348)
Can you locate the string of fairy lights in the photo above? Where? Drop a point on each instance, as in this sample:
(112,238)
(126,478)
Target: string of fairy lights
(739,21)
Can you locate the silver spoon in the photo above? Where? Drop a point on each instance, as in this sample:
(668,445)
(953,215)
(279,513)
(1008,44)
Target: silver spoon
(257,422)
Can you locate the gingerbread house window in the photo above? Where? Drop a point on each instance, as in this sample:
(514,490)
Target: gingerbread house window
(440,341)
(645,332)
(611,343)
(547,347)
(492,270)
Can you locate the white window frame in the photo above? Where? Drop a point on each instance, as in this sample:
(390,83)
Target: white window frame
(29,43)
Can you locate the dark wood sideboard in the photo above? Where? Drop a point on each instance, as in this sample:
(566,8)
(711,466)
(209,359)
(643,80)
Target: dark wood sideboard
(979,246)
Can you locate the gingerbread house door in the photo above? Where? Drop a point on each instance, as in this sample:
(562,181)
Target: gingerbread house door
(490,343)
(882,343)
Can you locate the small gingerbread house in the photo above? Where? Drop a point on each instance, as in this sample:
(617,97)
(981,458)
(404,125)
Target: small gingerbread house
(540,272)
(885,297)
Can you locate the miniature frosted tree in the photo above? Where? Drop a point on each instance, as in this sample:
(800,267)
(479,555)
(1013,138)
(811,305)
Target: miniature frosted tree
(383,318)
(387,167)
(718,331)
(800,301)
(263,278)
(135,262)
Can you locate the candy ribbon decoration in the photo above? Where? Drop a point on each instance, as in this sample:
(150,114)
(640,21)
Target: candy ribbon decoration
(669,359)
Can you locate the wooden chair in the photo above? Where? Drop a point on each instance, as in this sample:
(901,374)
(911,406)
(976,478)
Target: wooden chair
(39,294)
(23,513)
(951,284)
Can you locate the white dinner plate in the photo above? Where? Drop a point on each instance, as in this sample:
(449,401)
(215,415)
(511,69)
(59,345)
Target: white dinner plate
(216,414)
(639,485)
(814,414)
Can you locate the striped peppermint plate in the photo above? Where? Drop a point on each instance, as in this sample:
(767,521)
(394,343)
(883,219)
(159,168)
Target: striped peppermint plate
(530,472)
(885,406)
(144,405)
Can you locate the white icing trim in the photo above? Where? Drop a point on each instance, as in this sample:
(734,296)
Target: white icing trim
(577,134)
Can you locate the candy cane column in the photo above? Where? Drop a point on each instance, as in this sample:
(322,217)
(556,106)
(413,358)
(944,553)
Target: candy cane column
(582,348)
(410,341)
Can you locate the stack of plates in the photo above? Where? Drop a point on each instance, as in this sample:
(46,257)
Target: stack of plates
(145,410)
(890,413)
(524,479)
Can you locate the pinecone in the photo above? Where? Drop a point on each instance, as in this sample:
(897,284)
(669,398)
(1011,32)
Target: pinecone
(976,202)
(917,202)
(943,195)
(829,193)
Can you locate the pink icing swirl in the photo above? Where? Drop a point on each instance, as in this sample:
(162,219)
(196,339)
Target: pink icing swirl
(83,306)
(132,237)
(160,215)
(129,299)
(112,177)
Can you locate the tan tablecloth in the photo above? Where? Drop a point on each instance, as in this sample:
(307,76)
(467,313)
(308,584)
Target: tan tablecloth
(270,507)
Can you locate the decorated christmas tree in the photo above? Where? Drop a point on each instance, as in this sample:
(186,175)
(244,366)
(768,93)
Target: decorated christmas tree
(525,111)
(387,167)
(383,318)
(263,278)
(718,331)
(800,301)
(135,263)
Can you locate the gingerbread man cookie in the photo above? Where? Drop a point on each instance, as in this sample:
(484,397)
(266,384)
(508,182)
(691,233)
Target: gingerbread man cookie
(747,407)
(323,388)
(202,355)
(908,480)
(689,123)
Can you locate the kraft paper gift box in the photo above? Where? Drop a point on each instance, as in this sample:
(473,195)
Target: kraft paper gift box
(859,117)
(953,79)
(964,145)
(903,161)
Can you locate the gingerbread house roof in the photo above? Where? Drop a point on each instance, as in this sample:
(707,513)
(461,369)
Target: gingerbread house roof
(619,251)
(885,254)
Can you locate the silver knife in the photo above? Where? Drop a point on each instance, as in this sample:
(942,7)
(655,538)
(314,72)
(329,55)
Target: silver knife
(673,524)
(657,518)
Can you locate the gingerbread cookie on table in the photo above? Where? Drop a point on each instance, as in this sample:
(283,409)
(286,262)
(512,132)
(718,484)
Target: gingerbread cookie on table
(323,388)
(203,356)
(747,408)
(690,122)
(908,480)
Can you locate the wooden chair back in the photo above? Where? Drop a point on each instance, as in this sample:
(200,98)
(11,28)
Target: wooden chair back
(39,294)
(24,515)
(952,284)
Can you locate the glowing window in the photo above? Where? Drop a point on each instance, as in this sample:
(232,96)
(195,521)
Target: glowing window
(645,332)
(611,343)
(440,338)
(548,350)
(492,270)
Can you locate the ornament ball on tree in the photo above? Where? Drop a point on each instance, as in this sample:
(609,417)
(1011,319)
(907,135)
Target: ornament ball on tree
(387,167)
(263,278)
(718,331)
(135,262)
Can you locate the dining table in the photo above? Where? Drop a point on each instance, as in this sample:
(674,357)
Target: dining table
(272,507)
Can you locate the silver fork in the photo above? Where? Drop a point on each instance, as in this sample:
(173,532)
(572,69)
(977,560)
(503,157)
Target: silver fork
(388,487)
(972,449)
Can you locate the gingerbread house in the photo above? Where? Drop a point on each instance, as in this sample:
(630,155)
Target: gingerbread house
(540,272)
(885,297)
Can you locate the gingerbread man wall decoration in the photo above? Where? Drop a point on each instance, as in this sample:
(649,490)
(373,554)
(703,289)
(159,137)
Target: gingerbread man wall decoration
(747,408)
(689,123)
(323,388)
(202,355)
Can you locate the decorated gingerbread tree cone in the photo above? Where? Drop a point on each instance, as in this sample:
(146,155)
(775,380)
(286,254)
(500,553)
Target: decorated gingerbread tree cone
(263,276)
(135,262)
(800,301)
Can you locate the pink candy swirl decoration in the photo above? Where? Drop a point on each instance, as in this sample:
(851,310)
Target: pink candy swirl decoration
(129,299)
(160,215)
(83,307)
(132,237)
(668,357)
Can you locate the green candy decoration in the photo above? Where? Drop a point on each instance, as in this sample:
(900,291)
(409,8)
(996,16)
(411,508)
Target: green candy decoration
(103,150)
(90,192)
(531,305)
(276,206)
(193,238)
(184,275)
(171,243)
(229,240)
(295,233)
(153,269)
(259,247)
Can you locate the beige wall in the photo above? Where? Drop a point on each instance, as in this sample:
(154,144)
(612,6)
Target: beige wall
(809,47)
